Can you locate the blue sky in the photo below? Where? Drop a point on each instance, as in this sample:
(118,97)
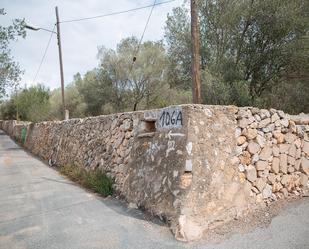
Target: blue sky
(80,39)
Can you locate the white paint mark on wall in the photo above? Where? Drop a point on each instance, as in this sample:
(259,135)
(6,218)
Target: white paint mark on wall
(153,149)
(175,173)
(189,148)
(169,135)
(164,179)
(170,147)
(207,164)
(188,165)
(179,152)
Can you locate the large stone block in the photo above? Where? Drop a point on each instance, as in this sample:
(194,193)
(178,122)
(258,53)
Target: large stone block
(304,165)
(245,158)
(261,165)
(283,163)
(279,136)
(276,150)
(266,153)
(260,183)
(241,140)
(289,138)
(275,166)
(251,173)
(253,147)
(292,151)
(267,191)
(274,117)
(250,133)
(264,123)
(284,148)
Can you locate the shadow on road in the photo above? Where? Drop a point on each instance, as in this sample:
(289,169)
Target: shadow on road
(59,181)
(116,205)
(121,208)
(14,148)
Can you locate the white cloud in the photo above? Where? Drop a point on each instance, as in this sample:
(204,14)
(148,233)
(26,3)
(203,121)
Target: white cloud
(79,39)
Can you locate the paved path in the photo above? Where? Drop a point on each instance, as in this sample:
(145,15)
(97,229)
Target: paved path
(39,209)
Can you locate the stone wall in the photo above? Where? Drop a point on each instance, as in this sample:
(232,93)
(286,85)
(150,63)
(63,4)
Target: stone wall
(273,153)
(216,194)
(133,148)
(196,166)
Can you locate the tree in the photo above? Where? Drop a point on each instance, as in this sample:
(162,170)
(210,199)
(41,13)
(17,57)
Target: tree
(96,90)
(246,44)
(9,69)
(74,102)
(178,39)
(138,82)
(33,103)
(8,110)
(29,104)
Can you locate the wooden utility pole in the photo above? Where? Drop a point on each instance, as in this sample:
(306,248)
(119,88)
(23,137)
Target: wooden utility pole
(196,76)
(65,116)
(17,114)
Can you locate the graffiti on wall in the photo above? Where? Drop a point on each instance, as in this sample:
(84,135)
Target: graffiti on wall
(170,118)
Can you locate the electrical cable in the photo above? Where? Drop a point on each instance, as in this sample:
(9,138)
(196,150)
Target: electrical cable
(105,15)
(115,13)
(135,53)
(146,25)
(44,55)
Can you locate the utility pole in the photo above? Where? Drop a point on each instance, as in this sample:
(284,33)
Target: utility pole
(65,112)
(17,113)
(195,50)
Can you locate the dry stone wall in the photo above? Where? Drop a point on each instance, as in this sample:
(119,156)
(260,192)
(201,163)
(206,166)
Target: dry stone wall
(102,142)
(273,153)
(196,166)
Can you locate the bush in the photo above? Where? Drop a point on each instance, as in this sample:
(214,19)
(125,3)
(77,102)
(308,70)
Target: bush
(95,180)
(98,182)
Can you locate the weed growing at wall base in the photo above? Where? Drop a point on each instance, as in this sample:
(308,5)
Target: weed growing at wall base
(95,180)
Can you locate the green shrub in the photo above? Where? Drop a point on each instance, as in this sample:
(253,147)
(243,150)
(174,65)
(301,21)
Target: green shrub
(95,180)
(98,182)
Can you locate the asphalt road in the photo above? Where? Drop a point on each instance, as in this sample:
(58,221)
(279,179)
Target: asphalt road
(40,209)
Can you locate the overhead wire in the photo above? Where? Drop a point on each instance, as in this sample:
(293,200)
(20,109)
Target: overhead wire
(44,55)
(105,15)
(146,25)
(37,113)
(117,12)
(135,53)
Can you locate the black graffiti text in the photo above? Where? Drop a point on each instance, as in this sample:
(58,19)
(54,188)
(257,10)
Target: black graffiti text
(171,118)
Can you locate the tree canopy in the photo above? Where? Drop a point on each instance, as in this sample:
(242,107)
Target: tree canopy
(252,52)
(248,50)
(9,69)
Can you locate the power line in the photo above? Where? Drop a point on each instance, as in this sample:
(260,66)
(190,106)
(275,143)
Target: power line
(141,39)
(105,15)
(146,25)
(44,55)
(117,12)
